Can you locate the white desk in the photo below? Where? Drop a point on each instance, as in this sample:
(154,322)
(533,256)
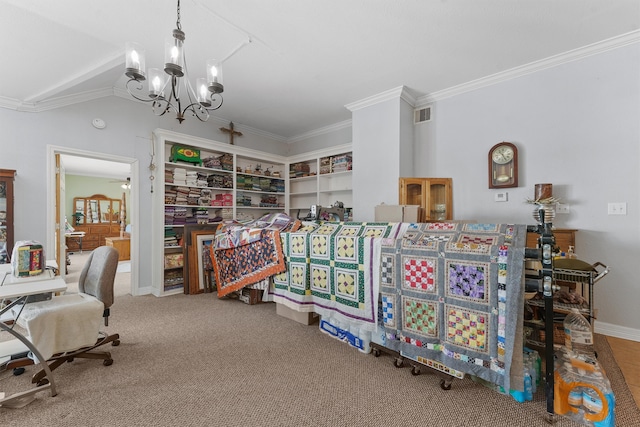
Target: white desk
(77,236)
(18,291)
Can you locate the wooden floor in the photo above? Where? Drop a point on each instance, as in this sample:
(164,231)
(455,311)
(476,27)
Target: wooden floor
(627,355)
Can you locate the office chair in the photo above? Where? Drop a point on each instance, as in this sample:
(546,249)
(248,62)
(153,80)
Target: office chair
(96,279)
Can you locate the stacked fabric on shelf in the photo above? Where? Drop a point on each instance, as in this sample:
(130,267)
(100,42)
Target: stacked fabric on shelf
(191,178)
(169,214)
(182,194)
(180,176)
(202,179)
(180,215)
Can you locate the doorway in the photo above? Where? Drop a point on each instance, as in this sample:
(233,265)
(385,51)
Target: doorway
(92,162)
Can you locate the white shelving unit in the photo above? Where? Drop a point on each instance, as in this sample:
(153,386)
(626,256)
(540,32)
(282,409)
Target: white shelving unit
(222,186)
(260,187)
(314,181)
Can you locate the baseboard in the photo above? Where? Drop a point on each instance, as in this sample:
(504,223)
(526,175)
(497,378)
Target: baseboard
(147,290)
(616,331)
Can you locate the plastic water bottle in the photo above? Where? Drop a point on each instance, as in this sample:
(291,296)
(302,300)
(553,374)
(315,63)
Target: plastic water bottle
(578,336)
(568,393)
(598,400)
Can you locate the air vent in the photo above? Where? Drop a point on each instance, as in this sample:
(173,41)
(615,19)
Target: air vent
(422,115)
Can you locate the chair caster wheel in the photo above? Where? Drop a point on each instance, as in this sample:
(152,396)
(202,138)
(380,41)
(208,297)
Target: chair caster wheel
(18,371)
(115,343)
(445,385)
(108,362)
(42,382)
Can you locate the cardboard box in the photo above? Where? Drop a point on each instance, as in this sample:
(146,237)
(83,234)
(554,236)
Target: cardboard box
(397,213)
(298,316)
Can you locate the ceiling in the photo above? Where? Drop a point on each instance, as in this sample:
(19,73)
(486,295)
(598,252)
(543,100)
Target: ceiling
(294,64)
(84,166)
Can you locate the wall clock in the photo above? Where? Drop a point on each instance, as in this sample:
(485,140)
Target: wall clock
(503,165)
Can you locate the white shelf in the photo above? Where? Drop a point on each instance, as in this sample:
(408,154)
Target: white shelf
(318,188)
(304,178)
(173,184)
(240,190)
(343,190)
(189,166)
(334,174)
(281,208)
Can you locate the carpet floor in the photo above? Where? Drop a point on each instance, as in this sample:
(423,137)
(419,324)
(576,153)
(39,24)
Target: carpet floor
(196,360)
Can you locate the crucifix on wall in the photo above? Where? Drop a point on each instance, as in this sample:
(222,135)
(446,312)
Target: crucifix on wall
(231,132)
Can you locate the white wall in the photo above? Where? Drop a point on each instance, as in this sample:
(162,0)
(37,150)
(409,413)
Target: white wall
(576,126)
(324,138)
(25,137)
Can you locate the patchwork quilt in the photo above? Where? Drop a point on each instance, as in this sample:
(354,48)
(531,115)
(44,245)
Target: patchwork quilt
(452,294)
(245,254)
(332,270)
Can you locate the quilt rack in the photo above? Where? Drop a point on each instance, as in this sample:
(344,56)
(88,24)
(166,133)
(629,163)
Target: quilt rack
(548,277)
(544,253)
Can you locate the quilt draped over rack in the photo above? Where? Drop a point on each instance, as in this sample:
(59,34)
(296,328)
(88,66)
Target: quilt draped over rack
(452,293)
(245,254)
(332,270)
(444,292)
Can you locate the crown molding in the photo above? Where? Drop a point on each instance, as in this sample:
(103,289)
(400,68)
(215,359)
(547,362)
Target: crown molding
(550,62)
(51,104)
(401,92)
(320,131)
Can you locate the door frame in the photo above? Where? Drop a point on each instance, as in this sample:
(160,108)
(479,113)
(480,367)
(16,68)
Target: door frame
(133,207)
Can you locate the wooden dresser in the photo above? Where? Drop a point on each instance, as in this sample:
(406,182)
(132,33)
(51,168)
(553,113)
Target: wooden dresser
(95,235)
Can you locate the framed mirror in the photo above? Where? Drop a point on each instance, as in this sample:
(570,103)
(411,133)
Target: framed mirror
(96,209)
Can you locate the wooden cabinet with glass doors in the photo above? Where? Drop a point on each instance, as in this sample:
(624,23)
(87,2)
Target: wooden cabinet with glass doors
(99,217)
(433,195)
(6,214)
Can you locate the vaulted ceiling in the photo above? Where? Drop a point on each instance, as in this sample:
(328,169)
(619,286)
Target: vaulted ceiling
(294,64)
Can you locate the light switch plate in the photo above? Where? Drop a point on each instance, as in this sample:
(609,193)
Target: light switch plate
(501,197)
(617,208)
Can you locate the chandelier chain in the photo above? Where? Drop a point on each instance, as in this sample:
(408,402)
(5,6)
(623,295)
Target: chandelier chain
(178,20)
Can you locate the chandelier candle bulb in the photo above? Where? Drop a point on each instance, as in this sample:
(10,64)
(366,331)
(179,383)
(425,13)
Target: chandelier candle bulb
(173,54)
(156,83)
(214,76)
(134,61)
(202,91)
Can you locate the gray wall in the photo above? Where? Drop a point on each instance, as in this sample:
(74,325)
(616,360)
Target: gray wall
(577,126)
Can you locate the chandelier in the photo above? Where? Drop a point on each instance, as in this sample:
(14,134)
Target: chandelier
(170,89)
